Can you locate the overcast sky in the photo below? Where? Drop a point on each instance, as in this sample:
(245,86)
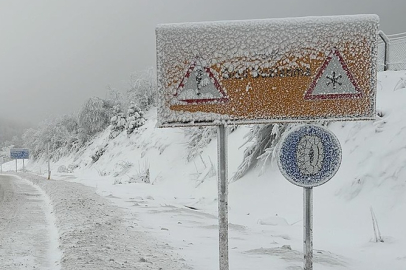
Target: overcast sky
(55,54)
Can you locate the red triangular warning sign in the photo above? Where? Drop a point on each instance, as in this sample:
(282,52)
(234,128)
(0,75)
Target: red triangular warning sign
(333,80)
(199,85)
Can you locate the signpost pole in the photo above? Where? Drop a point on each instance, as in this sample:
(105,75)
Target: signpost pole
(49,163)
(222,149)
(308,228)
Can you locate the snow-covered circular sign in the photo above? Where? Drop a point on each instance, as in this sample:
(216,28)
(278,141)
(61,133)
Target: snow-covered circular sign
(309,155)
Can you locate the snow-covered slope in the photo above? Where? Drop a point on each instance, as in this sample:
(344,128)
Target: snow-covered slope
(265,209)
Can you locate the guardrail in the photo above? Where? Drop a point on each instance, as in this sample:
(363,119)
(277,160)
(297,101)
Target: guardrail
(392,52)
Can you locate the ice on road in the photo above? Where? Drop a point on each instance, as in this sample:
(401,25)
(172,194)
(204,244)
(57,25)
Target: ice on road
(93,233)
(27,238)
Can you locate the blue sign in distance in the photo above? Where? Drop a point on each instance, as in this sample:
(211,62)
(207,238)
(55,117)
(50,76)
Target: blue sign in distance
(309,155)
(19,153)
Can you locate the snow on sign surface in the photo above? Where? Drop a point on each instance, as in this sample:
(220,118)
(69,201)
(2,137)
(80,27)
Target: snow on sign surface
(309,156)
(333,80)
(200,86)
(274,70)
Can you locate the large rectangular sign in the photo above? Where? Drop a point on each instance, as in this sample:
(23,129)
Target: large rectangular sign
(19,153)
(297,69)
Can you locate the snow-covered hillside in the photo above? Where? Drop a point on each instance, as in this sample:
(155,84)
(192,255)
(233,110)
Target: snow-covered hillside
(179,205)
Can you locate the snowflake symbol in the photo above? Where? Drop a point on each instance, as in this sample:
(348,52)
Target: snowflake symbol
(334,79)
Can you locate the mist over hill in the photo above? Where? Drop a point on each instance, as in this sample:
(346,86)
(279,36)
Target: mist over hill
(10,131)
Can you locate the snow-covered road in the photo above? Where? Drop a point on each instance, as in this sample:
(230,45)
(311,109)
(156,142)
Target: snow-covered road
(26,233)
(91,232)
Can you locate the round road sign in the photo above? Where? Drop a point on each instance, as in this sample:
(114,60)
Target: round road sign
(309,155)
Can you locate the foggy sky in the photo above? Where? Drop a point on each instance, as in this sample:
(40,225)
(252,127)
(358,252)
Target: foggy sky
(54,55)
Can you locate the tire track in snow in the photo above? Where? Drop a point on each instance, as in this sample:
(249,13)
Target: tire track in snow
(54,253)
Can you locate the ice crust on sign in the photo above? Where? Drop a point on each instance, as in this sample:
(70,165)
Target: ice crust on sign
(309,155)
(197,85)
(335,82)
(239,49)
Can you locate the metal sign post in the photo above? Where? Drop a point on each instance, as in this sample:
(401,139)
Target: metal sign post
(222,149)
(308,228)
(49,163)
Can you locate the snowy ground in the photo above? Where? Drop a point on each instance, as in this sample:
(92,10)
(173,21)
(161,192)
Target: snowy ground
(91,232)
(26,217)
(179,207)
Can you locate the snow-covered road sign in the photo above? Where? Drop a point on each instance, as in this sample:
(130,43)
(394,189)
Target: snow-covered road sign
(309,155)
(273,70)
(334,80)
(200,86)
(19,153)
